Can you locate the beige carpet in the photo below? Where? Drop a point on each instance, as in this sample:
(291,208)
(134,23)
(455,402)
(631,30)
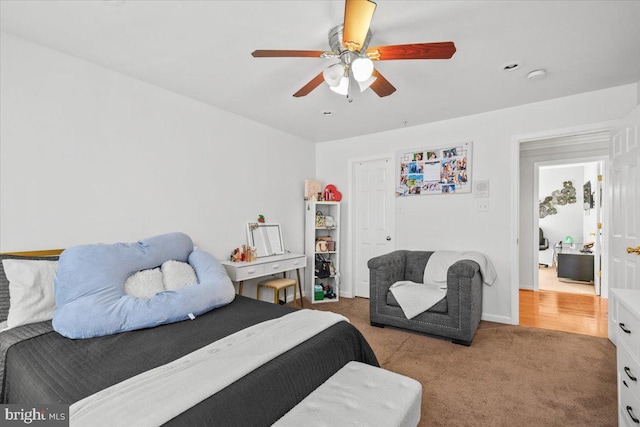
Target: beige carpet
(548,281)
(509,376)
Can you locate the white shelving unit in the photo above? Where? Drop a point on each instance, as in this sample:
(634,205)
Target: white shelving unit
(311,235)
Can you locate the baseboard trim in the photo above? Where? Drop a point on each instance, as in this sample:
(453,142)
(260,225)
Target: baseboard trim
(496,318)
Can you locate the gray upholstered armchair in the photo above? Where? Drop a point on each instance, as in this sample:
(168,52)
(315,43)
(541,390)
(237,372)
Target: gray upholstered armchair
(455,317)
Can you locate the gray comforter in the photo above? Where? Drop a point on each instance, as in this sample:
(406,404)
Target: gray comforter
(48,368)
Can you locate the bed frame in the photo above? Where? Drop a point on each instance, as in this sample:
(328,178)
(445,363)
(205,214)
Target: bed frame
(45,252)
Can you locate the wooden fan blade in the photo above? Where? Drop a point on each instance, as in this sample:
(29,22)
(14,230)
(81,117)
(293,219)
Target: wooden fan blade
(381,86)
(306,89)
(357,20)
(441,50)
(287,53)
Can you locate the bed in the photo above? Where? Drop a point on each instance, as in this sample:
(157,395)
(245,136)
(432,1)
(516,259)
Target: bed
(41,366)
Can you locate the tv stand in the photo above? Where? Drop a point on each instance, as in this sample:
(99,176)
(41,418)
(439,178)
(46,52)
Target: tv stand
(575,265)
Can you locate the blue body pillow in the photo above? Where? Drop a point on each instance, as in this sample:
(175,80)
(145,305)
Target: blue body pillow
(89,286)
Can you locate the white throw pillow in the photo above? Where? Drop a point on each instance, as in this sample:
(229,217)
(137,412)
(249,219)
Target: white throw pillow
(144,284)
(31,297)
(177,275)
(170,276)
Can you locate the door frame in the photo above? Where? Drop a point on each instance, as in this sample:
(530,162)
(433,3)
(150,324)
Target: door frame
(351,185)
(517,140)
(536,212)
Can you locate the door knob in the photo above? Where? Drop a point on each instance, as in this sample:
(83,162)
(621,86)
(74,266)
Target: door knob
(389,238)
(631,250)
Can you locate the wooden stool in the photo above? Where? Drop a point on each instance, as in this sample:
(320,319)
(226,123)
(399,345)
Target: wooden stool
(276,285)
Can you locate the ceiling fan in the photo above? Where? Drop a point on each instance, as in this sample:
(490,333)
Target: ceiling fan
(349,43)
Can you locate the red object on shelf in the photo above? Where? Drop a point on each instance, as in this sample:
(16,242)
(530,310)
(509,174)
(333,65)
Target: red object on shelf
(331,194)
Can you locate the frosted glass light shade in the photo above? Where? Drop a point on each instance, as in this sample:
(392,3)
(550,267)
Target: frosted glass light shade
(362,69)
(343,87)
(365,84)
(334,74)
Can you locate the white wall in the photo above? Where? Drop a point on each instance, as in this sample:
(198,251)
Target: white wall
(452,221)
(89,155)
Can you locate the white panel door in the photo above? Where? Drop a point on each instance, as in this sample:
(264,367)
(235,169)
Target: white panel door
(373,217)
(624,239)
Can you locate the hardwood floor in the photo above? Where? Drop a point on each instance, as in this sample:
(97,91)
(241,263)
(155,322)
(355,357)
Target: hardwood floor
(560,311)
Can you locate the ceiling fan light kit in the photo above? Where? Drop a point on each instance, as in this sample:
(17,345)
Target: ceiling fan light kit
(334,74)
(362,68)
(349,43)
(343,87)
(365,84)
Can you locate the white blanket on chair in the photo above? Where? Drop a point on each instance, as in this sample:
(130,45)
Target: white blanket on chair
(415,298)
(435,273)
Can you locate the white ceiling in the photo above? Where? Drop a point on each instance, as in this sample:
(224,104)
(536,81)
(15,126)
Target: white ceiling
(202,49)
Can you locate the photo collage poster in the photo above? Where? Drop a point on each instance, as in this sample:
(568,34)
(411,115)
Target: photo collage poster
(444,170)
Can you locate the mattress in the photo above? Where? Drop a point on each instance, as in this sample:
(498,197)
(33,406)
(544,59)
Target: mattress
(49,368)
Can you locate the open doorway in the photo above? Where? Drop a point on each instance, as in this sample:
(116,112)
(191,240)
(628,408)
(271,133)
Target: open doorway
(557,310)
(569,213)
